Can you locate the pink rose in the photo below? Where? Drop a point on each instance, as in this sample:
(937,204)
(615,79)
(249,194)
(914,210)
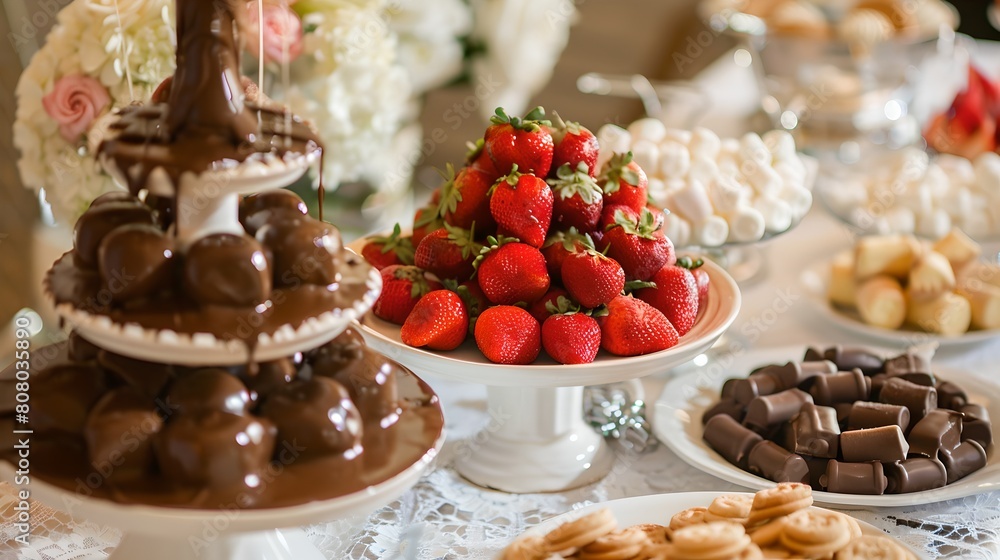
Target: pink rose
(281,26)
(74,103)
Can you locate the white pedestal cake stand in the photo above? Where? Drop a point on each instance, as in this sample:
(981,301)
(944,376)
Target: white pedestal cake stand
(160,533)
(539,441)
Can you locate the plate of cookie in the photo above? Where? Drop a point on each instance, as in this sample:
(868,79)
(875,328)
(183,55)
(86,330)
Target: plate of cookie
(861,427)
(778,522)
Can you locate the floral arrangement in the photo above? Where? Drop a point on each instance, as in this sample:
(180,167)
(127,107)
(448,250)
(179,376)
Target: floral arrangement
(356,68)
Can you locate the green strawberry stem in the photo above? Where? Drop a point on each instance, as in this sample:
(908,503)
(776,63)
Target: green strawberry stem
(618,171)
(689,263)
(569,182)
(532,122)
(492,244)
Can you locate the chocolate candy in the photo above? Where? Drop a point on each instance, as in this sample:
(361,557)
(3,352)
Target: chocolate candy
(917,398)
(148,378)
(964,459)
(302,249)
(854,478)
(939,431)
(119,433)
(909,362)
(843,387)
(114,196)
(373,388)
(866,414)
(925,379)
(771,461)
(215,449)
(813,355)
(915,475)
(848,359)
(816,431)
(756,385)
(878,380)
(885,444)
(99,221)
(62,396)
(268,377)
(728,387)
(80,349)
(976,425)
(208,389)
(732,440)
(766,411)
(727,406)
(257,209)
(316,414)
(136,261)
(226,269)
(951,395)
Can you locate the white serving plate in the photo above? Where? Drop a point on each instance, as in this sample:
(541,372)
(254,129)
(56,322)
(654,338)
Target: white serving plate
(677,423)
(815,280)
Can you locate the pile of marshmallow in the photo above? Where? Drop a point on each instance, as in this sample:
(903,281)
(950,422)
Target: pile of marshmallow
(717,191)
(912,193)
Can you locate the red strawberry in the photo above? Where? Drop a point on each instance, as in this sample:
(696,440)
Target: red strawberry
(526,143)
(592,279)
(578,200)
(574,144)
(702,279)
(521,204)
(675,294)
(448,253)
(560,245)
(381,252)
(540,310)
(467,201)
(402,287)
(609,216)
(478,158)
(658,216)
(624,182)
(637,246)
(438,321)
(633,327)
(969,108)
(472,295)
(508,335)
(510,272)
(573,338)
(425,221)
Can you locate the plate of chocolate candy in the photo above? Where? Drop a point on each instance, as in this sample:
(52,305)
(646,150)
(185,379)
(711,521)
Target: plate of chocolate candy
(860,426)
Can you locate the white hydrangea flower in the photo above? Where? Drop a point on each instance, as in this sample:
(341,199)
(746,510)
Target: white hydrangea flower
(430,32)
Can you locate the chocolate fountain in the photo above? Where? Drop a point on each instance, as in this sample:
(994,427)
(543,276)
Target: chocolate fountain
(211,365)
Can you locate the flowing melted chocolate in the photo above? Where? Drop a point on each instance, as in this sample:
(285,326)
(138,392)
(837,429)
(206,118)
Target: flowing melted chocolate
(207,121)
(174,457)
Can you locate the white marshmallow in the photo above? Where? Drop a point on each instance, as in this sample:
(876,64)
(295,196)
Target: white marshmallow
(729,147)
(937,182)
(958,169)
(958,203)
(705,143)
(678,135)
(763,179)
(976,223)
(799,199)
(752,148)
(657,191)
(675,160)
(917,198)
(677,229)
(934,225)
(987,168)
(781,145)
(727,195)
(691,202)
(911,165)
(612,139)
(711,233)
(646,154)
(703,170)
(777,214)
(650,129)
(790,174)
(900,220)
(846,196)
(745,225)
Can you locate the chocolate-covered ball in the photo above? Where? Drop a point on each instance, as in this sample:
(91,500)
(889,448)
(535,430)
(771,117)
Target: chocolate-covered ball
(115,196)
(119,432)
(303,249)
(226,269)
(136,261)
(345,353)
(317,415)
(215,449)
(267,377)
(62,396)
(258,209)
(164,208)
(373,388)
(206,390)
(99,221)
(147,378)
(80,349)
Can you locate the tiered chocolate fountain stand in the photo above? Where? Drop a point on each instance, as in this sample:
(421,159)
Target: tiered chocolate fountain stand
(179,274)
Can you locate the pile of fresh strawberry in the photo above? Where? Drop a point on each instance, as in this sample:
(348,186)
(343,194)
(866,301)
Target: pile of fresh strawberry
(969,127)
(531,246)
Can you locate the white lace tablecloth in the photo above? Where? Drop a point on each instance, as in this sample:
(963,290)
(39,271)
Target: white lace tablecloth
(446,517)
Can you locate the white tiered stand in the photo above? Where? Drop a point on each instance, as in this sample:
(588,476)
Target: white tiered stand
(539,441)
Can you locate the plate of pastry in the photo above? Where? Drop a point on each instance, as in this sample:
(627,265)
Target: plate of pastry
(777,522)
(862,427)
(901,290)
